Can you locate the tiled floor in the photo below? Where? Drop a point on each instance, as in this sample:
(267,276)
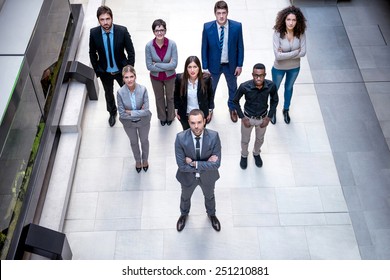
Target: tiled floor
(294,207)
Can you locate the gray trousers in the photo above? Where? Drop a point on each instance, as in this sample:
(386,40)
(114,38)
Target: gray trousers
(163,92)
(246,136)
(138,133)
(209,197)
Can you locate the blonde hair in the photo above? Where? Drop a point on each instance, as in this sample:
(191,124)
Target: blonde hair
(128,68)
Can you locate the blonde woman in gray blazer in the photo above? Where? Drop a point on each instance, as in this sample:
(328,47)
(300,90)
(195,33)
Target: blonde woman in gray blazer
(134,114)
(161,61)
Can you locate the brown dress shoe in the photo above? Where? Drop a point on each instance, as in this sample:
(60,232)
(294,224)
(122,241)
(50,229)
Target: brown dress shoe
(233,115)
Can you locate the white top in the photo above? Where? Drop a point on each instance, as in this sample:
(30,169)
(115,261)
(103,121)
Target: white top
(192,96)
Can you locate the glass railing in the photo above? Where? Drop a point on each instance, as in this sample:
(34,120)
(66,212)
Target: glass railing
(27,111)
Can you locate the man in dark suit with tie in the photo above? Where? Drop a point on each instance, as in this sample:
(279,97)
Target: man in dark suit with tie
(223,51)
(107,44)
(198,156)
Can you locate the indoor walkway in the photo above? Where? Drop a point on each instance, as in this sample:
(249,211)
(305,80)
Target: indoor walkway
(323,192)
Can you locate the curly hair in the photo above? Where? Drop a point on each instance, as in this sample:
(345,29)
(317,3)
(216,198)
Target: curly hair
(280,23)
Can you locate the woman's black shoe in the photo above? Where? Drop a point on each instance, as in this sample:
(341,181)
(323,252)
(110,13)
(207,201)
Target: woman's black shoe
(138,168)
(286,116)
(163,123)
(145,168)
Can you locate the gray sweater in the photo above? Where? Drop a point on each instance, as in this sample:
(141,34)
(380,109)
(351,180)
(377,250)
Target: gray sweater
(156,65)
(291,52)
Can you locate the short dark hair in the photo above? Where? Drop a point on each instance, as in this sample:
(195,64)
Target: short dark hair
(259,66)
(222,5)
(159,22)
(103,10)
(195,112)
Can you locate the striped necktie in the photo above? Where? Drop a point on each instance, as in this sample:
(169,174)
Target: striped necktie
(221,37)
(197,147)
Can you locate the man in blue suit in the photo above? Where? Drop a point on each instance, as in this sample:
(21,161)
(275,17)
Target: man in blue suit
(223,51)
(198,157)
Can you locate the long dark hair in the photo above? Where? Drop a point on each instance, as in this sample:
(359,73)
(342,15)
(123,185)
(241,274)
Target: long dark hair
(280,23)
(186,76)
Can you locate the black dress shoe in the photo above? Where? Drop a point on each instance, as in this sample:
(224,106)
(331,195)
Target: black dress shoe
(258,161)
(244,162)
(181,223)
(286,116)
(215,223)
(145,168)
(112,120)
(169,123)
(163,123)
(273,119)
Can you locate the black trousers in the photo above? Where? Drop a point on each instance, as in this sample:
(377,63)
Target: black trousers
(108,85)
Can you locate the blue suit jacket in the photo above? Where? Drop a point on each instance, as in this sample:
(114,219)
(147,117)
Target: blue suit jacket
(211,53)
(184,147)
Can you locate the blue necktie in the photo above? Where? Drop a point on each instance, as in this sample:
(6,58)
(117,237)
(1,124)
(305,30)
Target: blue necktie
(110,59)
(221,37)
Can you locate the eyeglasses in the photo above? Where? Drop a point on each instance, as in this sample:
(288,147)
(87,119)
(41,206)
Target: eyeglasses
(261,76)
(161,31)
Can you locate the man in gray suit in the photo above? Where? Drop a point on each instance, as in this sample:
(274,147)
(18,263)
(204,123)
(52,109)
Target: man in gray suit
(198,156)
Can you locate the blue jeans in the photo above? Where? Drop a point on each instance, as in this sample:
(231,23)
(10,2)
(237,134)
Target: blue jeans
(291,76)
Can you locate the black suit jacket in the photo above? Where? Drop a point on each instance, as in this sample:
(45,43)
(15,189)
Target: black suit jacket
(122,41)
(205,98)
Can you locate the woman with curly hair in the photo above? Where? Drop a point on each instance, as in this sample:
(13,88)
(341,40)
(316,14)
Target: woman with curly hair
(289,41)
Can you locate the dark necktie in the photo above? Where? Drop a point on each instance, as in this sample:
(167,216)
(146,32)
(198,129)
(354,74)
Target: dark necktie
(221,37)
(197,148)
(110,60)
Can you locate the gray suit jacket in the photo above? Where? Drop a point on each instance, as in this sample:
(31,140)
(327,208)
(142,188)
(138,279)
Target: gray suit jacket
(142,111)
(184,147)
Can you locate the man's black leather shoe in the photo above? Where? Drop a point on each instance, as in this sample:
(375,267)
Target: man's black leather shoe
(112,120)
(215,223)
(273,119)
(244,162)
(258,161)
(181,223)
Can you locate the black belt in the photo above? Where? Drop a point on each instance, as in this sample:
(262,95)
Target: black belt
(224,63)
(135,121)
(256,117)
(113,73)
